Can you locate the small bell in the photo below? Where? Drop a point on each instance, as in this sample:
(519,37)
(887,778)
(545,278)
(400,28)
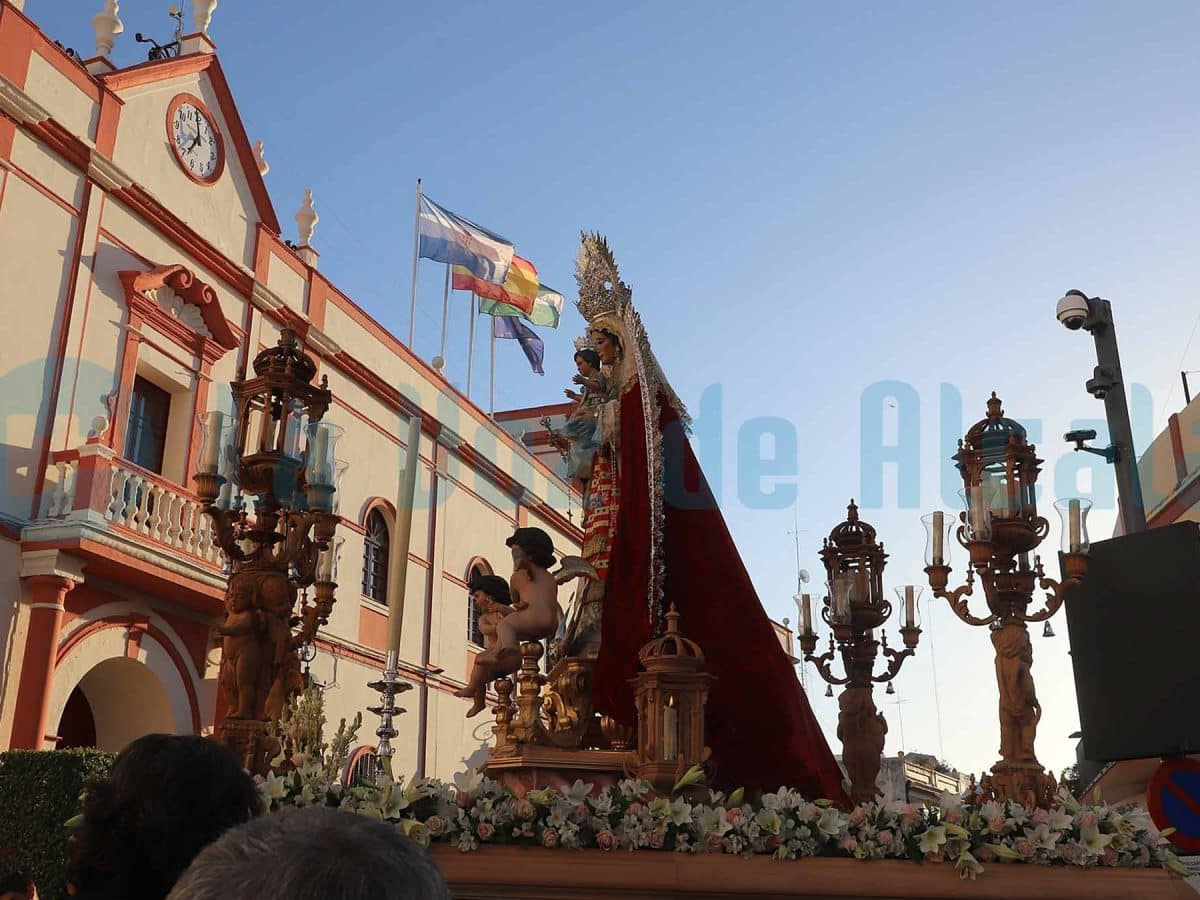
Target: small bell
(1047,631)
(829,690)
(890,689)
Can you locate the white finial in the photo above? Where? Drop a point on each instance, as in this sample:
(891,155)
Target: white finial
(263,166)
(19,4)
(107,27)
(202,13)
(307,218)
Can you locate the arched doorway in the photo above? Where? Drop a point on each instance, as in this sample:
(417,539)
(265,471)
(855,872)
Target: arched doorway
(124,700)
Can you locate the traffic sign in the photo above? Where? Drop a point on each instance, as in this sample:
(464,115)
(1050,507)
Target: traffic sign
(1173,798)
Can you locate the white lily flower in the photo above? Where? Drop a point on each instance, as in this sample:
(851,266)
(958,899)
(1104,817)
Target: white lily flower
(831,821)
(933,838)
(1091,840)
(578,792)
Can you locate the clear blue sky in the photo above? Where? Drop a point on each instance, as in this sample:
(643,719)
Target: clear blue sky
(806,200)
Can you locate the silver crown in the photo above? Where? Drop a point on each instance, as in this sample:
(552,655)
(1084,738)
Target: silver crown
(601,290)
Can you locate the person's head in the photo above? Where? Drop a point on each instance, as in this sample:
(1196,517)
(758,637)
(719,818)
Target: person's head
(17,886)
(532,544)
(165,798)
(607,344)
(313,854)
(587,362)
(489,587)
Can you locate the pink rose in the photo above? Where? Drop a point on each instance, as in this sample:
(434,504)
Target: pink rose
(1024,848)
(933,856)
(486,831)
(435,824)
(605,840)
(884,837)
(1087,820)
(1069,854)
(983,854)
(549,837)
(997,824)
(657,837)
(635,808)
(1109,858)
(849,843)
(953,816)
(713,841)
(734,815)
(858,816)
(1040,816)
(523,809)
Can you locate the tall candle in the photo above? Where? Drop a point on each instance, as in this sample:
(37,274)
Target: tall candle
(1076,527)
(978,511)
(211,457)
(402,536)
(806,599)
(939,533)
(670,735)
(910,607)
(320,452)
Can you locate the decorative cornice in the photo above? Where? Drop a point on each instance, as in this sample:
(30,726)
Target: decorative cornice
(17,104)
(107,174)
(449,438)
(322,343)
(265,298)
(139,287)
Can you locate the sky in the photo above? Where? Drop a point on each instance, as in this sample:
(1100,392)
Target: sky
(842,226)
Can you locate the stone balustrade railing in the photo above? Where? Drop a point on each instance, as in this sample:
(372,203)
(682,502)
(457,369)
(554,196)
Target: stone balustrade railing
(94,483)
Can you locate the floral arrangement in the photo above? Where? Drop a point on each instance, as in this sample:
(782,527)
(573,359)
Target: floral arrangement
(630,816)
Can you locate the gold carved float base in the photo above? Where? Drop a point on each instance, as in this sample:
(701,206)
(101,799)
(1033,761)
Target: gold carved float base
(528,767)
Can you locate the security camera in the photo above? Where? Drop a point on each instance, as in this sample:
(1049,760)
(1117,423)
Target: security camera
(1078,437)
(1072,310)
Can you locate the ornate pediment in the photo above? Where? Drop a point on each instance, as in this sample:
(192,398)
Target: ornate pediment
(184,307)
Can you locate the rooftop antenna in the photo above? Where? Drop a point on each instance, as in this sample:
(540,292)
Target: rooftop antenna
(802,578)
(937,699)
(899,704)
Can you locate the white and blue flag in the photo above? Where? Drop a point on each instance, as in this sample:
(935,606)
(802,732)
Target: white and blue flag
(450,238)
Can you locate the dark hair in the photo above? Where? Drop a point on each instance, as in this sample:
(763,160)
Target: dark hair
(591,357)
(15,882)
(492,585)
(314,853)
(165,798)
(536,544)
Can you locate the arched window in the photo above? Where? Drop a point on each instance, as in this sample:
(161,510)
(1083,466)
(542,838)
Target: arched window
(375,557)
(362,766)
(474,635)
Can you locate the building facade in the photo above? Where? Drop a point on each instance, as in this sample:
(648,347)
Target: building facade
(142,267)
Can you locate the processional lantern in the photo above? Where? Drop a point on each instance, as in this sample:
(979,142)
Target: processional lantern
(277,452)
(856,609)
(670,692)
(1000,528)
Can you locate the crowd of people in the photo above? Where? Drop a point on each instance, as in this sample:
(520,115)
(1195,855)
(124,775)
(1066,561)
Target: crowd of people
(178,817)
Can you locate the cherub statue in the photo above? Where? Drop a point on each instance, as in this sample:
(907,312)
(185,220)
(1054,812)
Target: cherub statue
(862,731)
(535,610)
(1020,711)
(579,439)
(492,599)
(241,650)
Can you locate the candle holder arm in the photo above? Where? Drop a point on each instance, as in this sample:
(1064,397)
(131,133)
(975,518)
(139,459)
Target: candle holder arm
(896,660)
(959,604)
(822,663)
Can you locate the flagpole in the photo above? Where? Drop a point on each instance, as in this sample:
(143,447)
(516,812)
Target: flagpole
(471,347)
(445,317)
(412,308)
(492,387)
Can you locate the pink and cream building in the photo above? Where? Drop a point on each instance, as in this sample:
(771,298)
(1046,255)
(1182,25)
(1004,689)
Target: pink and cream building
(139,275)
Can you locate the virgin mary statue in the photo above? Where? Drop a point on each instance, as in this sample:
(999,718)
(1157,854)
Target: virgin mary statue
(654,534)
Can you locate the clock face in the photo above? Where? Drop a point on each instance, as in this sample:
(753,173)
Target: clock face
(195,141)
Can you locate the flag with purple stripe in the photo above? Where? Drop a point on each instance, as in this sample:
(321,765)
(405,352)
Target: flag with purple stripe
(512,327)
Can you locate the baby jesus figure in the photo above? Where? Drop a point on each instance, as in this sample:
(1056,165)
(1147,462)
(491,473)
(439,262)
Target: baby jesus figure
(579,439)
(492,599)
(534,614)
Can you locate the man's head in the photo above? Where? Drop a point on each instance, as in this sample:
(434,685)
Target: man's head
(17,886)
(313,854)
(489,587)
(532,544)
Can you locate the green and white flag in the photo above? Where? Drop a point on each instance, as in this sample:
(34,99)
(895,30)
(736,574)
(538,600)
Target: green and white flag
(547,308)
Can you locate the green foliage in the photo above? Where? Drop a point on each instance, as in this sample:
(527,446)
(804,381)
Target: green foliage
(41,791)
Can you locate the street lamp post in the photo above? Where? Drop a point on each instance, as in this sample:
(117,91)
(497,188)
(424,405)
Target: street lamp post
(1094,314)
(277,449)
(854,609)
(1000,528)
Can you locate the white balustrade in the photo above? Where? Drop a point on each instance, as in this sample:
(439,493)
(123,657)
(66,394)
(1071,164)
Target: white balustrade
(63,497)
(143,505)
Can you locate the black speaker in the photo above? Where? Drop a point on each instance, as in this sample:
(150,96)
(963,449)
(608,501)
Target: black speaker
(1135,645)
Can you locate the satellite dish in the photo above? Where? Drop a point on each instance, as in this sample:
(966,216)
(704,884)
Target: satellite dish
(805,578)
